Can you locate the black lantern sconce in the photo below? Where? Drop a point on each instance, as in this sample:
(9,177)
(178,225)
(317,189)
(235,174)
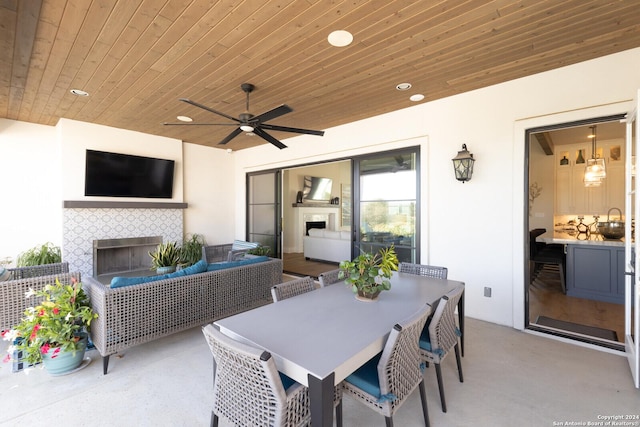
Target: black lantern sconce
(463,164)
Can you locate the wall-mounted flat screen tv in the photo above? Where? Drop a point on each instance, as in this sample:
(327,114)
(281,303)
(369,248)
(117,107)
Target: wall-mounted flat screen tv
(124,175)
(317,189)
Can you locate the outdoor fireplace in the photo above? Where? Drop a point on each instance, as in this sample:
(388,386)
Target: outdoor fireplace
(111,256)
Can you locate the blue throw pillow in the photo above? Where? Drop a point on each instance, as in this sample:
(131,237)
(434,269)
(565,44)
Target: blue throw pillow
(119,282)
(198,267)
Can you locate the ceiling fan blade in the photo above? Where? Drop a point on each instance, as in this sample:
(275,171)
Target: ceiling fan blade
(294,130)
(262,134)
(198,124)
(272,114)
(204,107)
(229,137)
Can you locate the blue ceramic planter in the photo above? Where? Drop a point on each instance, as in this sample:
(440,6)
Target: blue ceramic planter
(65,361)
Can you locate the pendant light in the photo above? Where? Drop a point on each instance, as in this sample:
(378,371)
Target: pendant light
(595,171)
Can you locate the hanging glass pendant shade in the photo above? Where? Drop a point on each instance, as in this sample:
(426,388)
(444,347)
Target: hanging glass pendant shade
(595,170)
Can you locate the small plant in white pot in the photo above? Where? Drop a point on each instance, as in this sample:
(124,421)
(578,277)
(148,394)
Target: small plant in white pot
(369,273)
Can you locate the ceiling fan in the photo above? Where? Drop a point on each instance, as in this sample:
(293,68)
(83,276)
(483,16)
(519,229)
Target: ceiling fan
(250,124)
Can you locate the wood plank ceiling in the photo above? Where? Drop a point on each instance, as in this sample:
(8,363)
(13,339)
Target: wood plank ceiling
(137,57)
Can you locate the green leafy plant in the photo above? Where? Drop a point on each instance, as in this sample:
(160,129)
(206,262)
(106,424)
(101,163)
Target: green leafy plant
(47,253)
(53,325)
(369,273)
(165,255)
(191,250)
(260,250)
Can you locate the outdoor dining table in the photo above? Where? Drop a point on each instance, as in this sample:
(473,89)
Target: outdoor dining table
(321,337)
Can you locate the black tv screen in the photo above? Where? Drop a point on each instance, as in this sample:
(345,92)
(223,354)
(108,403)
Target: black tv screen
(123,175)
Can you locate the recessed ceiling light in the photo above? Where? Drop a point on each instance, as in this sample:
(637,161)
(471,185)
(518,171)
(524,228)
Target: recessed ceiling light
(340,38)
(403,86)
(417,97)
(79,92)
(184,118)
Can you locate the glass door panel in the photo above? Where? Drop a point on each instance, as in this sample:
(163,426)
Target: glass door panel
(632,249)
(387,204)
(263,210)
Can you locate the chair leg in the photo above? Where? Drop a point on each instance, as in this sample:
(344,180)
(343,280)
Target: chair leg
(214,420)
(105,365)
(459,363)
(339,414)
(425,410)
(441,387)
(388,421)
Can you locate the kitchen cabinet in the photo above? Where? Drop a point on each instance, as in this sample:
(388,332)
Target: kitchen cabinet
(571,196)
(596,272)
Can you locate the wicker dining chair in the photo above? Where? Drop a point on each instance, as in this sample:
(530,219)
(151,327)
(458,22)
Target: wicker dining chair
(292,288)
(423,270)
(249,391)
(387,380)
(440,336)
(329,278)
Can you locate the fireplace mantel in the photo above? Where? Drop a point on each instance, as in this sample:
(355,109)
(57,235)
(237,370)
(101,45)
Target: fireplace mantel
(91,204)
(314,205)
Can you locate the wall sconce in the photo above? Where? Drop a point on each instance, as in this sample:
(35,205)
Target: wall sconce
(463,164)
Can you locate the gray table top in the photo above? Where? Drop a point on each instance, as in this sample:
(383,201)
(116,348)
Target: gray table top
(328,330)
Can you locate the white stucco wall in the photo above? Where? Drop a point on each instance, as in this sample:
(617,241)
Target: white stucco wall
(31,190)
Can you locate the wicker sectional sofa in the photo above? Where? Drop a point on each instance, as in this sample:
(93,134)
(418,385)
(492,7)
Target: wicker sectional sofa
(132,315)
(12,292)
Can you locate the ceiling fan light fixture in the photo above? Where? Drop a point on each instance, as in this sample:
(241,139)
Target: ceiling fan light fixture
(246,128)
(184,118)
(340,38)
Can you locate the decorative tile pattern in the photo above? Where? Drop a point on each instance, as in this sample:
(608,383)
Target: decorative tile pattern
(80,227)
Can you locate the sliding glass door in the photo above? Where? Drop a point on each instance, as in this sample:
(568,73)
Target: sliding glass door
(386,205)
(263,210)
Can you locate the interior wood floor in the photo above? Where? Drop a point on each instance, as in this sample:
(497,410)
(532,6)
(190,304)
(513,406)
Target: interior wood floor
(546,299)
(295,263)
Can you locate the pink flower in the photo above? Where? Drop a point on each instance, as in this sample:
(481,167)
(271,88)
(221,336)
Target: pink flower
(56,310)
(45,348)
(41,313)
(7,358)
(36,328)
(55,353)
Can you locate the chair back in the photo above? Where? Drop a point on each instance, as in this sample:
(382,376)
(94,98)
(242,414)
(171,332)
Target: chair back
(399,370)
(216,253)
(38,270)
(443,331)
(247,387)
(292,288)
(329,277)
(423,270)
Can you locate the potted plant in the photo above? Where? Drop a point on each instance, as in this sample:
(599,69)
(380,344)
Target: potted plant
(47,253)
(260,250)
(191,250)
(369,273)
(55,331)
(165,258)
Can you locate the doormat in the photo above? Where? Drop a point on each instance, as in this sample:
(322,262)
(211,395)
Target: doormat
(592,331)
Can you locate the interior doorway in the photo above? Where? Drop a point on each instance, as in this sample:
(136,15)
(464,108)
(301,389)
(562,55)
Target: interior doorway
(575,281)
